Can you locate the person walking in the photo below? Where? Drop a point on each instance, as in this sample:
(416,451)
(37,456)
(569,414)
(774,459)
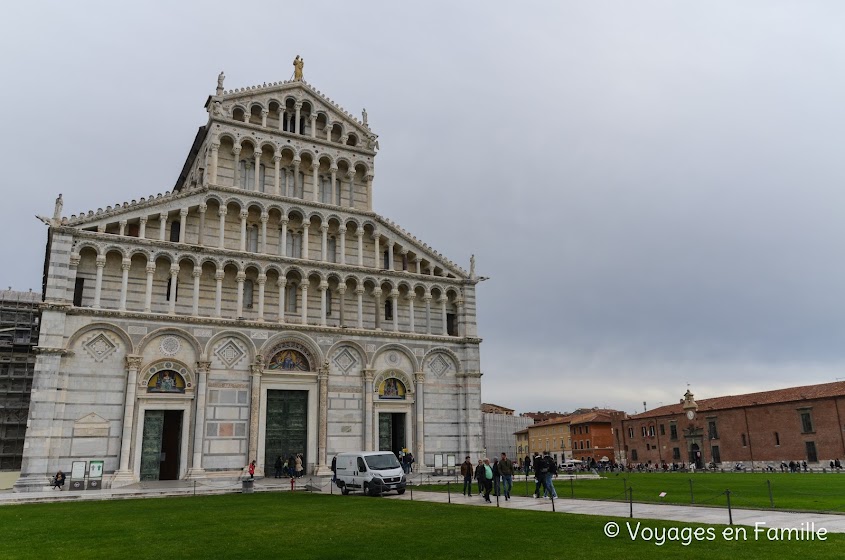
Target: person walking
(526,464)
(278,467)
(479,476)
(487,479)
(551,470)
(334,468)
(506,472)
(299,465)
(252,470)
(467,471)
(539,474)
(291,464)
(497,478)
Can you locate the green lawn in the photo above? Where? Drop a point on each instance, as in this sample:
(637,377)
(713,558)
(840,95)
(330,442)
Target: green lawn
(304,526)
(811,492)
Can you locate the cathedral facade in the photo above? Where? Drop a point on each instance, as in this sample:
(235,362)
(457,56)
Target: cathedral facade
(260,309)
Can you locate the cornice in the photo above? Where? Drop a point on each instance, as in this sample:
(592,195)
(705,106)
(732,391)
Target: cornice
(269,326)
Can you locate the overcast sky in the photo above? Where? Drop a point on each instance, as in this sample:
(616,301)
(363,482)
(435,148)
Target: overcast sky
(655,188)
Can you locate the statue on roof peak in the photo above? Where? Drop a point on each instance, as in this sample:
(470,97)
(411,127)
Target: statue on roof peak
(220,79)
(298,63)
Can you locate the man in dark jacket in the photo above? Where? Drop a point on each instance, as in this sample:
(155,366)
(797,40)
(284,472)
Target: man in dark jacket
(497,477)
(551,470)
(480,476)
(540,470)
(467,470)
(506,471)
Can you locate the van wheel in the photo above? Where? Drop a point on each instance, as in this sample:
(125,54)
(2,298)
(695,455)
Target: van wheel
(400,491)
(344,490)
(367,488)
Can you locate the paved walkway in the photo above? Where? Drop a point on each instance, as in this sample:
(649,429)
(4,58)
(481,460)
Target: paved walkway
(834,523)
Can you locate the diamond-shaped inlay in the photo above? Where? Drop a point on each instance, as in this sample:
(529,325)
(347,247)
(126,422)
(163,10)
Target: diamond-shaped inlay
(100,347)
(230,353)
(439,365)
(345,360)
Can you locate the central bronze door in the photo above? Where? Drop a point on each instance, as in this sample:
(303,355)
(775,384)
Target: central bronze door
(286,432)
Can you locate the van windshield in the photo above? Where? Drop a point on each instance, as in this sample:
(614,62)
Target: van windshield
(381,462)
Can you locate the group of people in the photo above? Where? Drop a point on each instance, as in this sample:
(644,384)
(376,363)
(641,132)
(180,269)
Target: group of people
(290,467)
(496,477)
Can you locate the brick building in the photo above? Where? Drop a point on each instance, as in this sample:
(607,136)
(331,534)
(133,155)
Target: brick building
(794,424)
(592,436)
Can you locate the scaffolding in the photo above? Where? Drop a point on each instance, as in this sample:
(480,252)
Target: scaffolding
(19,320)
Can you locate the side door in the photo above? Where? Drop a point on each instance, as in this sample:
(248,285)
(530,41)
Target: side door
(360,473)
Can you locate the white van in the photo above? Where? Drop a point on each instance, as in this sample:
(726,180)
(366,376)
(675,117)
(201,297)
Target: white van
(372,472)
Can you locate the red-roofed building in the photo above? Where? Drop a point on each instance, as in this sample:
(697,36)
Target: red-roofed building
(757,429)
(592,436)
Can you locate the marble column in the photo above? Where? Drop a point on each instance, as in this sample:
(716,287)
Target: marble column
(359,233)
(124,282)
(324,242)
(377,251)
(323,422)
(418,263)
(333,188)
(222,233)
(276,176)
(283,237)
(297,106)
(142,227)
(148,296)
(459,303)
(390,264)
(297,187)
(342,232)
(122,231)
(323,287)
(368,408)
(262,279)
(256,185)
(162,229)
(195,303)
(379,310)
(244,215)
(254,415)
(240,299)
(71,276)
(315,181)
(264,113)
(303,298)
(265,217)
(394,297)
(341,291)
(427,300)
(305,243)
(411,297)
(196,470)
(282,283)
(174,275)
(215,147)
(124,475)
(98,285)
(183,224)
(359,291)
(313,125)
(369,192)
(443,301)
(201,230)
(218,293)
(419,405)
(236,179)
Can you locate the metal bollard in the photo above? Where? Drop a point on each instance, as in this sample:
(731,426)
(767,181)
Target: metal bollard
(771,498)
(449,490)
(292,482)
(572,486)
(631,501)
(730,513)
(552,498)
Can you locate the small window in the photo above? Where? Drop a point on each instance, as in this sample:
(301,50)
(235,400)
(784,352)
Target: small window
(175,227)
(388,309)
(662,429)
(328,302)
(676,453)
(587,429)
(633,454)
(631,433)
(588,444)
(777,439)
(252,239)
(290,298)
(78,288)
(806,422)
(651,431)
(262,174)
(249,290)
(167,295)
(644,431)
(331,249)
(717,457)
(744,444)
(673,431)
(712,432)
(361,466)
(451,324)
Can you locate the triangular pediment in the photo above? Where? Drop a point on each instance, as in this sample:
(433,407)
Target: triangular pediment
(91,419)
(281,92)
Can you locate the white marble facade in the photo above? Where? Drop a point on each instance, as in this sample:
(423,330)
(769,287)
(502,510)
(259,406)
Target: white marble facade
(183,305)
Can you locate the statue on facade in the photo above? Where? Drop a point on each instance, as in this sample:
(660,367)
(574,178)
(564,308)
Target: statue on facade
(220,79)
(364,115)
(57,213)
(472,266)
(298,63)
